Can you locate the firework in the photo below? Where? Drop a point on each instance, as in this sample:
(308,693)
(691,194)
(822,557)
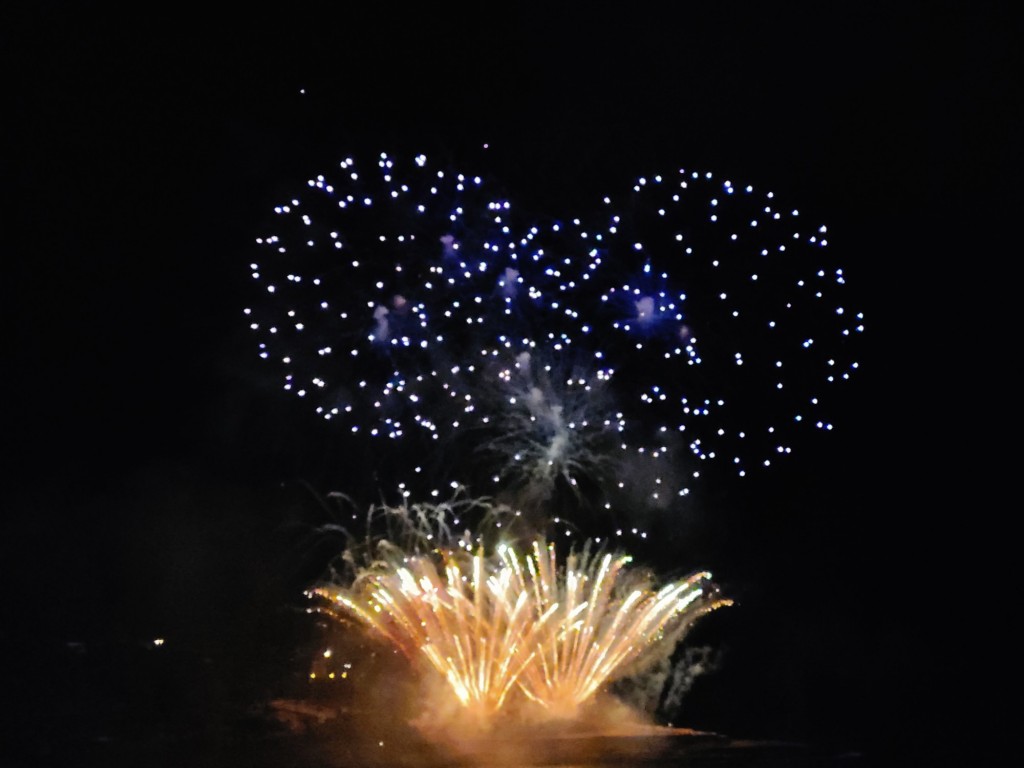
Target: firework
(689,320)
(496,623)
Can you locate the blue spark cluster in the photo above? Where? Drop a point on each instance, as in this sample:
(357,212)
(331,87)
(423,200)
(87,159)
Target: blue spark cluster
(686,320)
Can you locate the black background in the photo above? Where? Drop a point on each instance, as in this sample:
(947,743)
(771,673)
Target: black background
(150,466)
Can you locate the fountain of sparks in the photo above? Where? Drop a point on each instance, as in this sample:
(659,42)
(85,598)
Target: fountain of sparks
(506,627)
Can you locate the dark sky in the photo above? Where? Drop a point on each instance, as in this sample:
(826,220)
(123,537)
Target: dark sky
(142,153)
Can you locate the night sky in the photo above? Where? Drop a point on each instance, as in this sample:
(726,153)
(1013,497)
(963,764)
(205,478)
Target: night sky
(154,473)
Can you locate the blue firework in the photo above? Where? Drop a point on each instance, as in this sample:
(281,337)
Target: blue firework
(607,356)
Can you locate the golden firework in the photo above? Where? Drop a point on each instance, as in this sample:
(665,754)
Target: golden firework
(504,623)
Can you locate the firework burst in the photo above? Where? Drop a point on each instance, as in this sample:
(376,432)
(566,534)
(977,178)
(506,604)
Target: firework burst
(688,320)
(497,623)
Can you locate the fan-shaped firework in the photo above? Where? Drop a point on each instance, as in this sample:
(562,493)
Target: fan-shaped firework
(496,623)
(691,319)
